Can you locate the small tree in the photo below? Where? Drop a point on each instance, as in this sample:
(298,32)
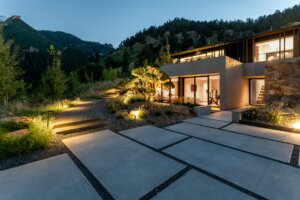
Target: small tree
(146,81)
(164,54)
(53,80)
(10,73)
(74,82)
(110,74)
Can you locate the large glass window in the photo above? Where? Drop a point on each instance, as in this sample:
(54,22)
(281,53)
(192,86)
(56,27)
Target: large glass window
(257,91)
(274,49)
(189,89)
(214,90)
(201,90)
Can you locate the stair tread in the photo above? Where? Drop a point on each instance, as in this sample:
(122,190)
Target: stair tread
(76,123)
(81,129)
(77,126)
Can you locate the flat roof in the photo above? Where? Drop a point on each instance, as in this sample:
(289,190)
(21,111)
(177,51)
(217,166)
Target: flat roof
(260,34)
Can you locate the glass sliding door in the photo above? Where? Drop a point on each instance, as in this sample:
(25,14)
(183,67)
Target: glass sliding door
(214,90)
(202,90)
(257,91)
(189,90)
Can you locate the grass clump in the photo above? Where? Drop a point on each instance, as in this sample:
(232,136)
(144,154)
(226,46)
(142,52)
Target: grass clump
(38,138)
(10,126)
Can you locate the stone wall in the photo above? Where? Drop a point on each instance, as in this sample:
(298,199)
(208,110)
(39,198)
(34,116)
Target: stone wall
(282,82)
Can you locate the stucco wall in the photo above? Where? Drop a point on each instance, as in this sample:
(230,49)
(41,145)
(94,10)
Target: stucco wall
(282,82)
(235,91)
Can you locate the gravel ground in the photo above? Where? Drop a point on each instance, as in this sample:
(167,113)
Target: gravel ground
(90,110)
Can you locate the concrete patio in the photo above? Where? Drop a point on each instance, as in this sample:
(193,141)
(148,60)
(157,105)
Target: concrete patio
(201,158)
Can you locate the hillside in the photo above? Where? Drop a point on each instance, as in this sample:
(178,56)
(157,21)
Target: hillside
(183,34)
(25,37)
(33,47)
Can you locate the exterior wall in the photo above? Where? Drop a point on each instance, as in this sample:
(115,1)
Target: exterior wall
(254,69)
(282,81)
(234,87)
(208,66)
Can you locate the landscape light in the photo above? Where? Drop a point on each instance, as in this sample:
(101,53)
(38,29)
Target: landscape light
(136,113)
(296,125)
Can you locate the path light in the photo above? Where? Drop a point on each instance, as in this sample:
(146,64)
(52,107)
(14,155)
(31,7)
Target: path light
(136,113)
(296,125)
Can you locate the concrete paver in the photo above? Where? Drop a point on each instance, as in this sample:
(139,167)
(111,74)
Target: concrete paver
(207,122)
(272,149)
(282,136)
(195,185)
(221,115)
(153,136)
(127,169)
(265,177)
(54,178)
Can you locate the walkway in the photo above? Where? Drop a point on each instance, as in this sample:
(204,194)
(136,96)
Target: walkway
(201,158)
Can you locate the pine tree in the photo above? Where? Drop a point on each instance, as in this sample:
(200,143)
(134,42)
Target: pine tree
(164,54)
(53,80)
(10,82)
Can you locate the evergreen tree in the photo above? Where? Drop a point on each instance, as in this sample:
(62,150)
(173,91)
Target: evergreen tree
(10,82)
(74,82)
(125,62)
(164,55)
(53,80)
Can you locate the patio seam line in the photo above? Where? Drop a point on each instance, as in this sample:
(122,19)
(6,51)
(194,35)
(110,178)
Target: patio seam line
(100,189)
(213,119)
(295,156)
(225,125)
(174,143)
(286,163)
(231,184)
(165,184)
(240,133)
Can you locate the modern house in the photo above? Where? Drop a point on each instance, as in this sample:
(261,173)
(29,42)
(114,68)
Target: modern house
(233,74)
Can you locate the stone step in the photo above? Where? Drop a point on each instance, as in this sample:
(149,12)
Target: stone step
(76,123)
(91,126)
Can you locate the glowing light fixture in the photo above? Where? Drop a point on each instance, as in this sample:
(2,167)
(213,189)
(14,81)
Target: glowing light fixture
(296,125)
(136,113)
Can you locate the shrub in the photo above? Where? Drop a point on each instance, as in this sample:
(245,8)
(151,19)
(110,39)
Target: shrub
(168,110)
(158,112)
(122,114)
(137,98)
(270,114)
(39,137)
(115,105)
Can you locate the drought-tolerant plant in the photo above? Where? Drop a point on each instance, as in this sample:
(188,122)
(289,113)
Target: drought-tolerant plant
(269,114)
(39,137)
(10,126)
(146,81)
(168,110)
(115,105)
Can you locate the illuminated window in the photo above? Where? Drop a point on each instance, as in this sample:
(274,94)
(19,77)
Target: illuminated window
(270,50)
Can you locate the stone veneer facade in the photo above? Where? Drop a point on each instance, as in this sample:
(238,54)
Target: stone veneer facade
(282,82)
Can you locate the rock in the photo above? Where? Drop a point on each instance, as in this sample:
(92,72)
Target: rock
(19,133)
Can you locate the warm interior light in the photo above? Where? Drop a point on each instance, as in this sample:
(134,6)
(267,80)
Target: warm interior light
(296,125)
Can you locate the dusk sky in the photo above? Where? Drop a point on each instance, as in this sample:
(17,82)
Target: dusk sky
(111,21)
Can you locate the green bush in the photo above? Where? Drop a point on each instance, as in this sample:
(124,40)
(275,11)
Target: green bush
(115,105)
(168,110)
(269,114)
(122,114)
(158,112)
(137,98)
(39,137)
